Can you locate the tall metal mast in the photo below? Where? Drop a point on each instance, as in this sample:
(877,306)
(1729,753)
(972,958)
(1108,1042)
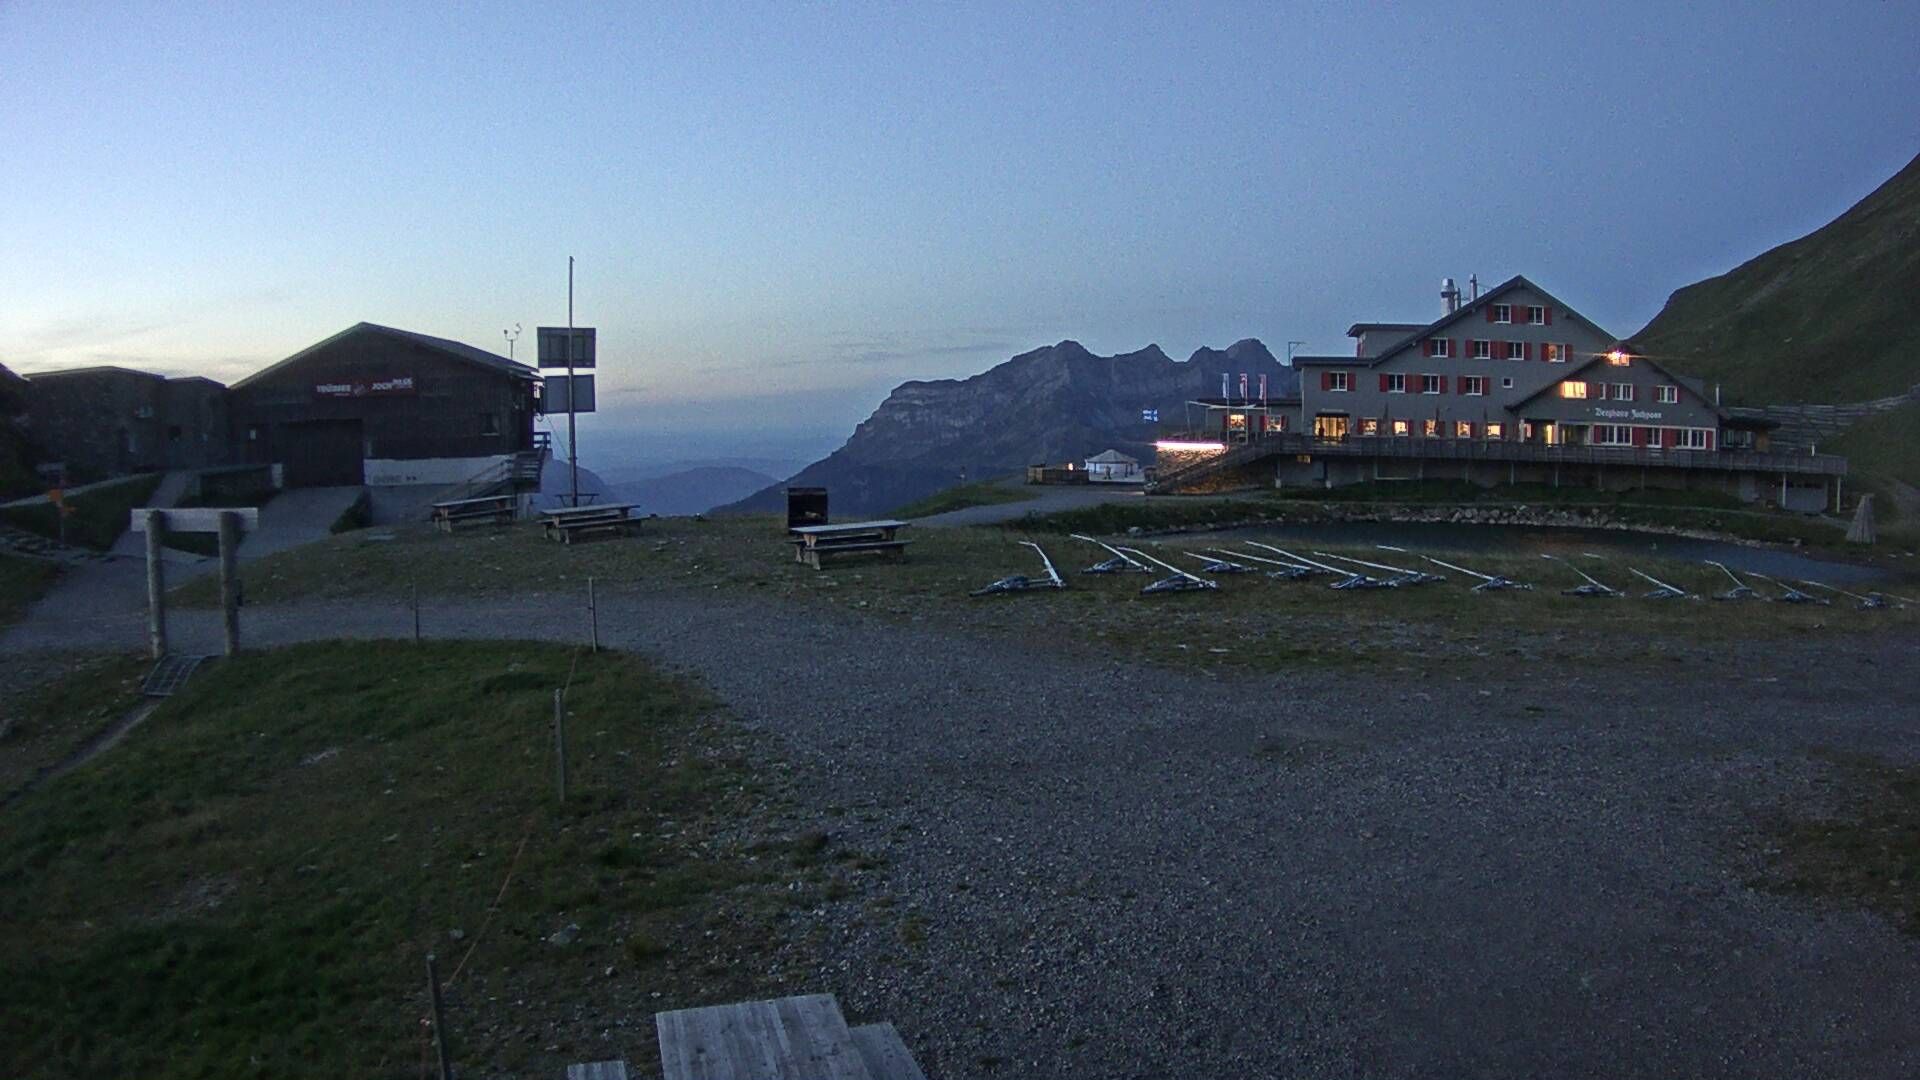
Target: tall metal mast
(573,438)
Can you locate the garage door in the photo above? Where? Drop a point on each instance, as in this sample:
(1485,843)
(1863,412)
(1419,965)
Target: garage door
(322,453)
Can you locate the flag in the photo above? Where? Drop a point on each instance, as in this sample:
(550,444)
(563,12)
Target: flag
(1243,386)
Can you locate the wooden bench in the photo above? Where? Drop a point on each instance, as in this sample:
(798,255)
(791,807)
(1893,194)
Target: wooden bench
(812,543)
(570,523)
(486,510)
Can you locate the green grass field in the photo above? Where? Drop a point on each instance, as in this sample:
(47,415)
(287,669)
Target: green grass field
(44,726)
(99,516)
(1249,622)
(962,496)
(250,883)
(22,581)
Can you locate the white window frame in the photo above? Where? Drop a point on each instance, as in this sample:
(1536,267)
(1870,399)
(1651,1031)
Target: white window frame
(1339,382)
(1516,350)
(1506,382)
(1369,421)
(1396,382)
(1503,313)
(1481,348)
(1430,428)
(1667,395)
(1623,391)
(1566,390)
(1617,435)
(1434,380)
(1440,348)
(1536,315)
(1458,425)
(1401,428)
(1566,352)
(1476,385)
(1688,437)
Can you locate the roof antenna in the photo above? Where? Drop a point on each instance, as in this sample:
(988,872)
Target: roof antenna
(1292,347)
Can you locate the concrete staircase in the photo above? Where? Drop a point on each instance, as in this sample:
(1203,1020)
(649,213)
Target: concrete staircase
(795,1038)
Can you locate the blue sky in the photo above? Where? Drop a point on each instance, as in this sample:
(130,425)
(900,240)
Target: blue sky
(781,211)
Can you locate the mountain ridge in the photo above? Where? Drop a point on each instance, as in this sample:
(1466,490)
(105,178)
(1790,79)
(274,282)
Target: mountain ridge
(1059,402)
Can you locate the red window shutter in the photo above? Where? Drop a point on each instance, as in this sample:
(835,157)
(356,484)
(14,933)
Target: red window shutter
(1527,350)
(1549,310)
(1455,350)
(1489,312)
(1426,346)
(1326,380)
(1710,435)
(1383,382)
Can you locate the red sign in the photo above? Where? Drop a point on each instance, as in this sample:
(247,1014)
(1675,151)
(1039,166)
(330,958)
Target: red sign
(398,385)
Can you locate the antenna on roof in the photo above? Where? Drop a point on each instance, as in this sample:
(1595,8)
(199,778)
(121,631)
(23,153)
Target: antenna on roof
(1293,347)
(512,336)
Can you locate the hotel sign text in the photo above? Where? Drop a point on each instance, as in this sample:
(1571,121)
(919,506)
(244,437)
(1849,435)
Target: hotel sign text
(1601,412)
(401,384)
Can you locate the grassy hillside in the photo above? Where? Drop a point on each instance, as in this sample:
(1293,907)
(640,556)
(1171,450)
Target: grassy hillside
(249,886)
(99,516)
(1831,317)
(1884,453)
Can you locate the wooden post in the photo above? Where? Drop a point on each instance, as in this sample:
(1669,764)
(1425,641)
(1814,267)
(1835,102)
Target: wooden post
(416,612)
(593,619)
(439,1019)
(230,580)
(560,745)
(156,522)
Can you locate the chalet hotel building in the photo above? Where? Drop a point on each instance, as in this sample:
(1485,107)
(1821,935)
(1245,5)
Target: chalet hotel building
(1508,386)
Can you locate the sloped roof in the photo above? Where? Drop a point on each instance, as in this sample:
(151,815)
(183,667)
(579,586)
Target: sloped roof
(1692,385)
(1112,457)
(96,369)
(1474,307)
(455,349)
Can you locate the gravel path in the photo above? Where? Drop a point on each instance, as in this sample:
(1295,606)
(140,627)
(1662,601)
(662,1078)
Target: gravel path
(1118,872)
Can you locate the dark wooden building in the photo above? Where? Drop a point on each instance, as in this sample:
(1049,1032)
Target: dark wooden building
(101,422)
(376,405)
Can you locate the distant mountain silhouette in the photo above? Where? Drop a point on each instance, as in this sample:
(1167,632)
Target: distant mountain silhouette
(692,491)
(1059,403)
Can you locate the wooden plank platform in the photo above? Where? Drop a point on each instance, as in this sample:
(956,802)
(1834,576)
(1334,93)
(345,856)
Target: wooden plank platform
(884,1054)
(796,1038)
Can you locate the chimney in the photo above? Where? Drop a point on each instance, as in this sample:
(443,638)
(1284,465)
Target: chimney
(1473,283)
(1450,295)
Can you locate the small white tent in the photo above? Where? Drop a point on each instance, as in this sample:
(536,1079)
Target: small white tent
(1114,467)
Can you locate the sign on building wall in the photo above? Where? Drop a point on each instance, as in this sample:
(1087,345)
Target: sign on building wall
(554,395)
(396,386)
(562,346)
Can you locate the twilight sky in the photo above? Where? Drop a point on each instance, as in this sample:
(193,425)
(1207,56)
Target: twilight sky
(781,211)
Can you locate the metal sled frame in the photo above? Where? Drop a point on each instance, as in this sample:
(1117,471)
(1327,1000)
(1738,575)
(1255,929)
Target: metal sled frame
(1119,563)
(1401,575)
(1789,594)
(1349,579)
(1740,591)
(1287,572)
(1181,581)
(1488,582)
(1023,583)
(1872,601)
(1591,588)
(1661,590)
(1218,566)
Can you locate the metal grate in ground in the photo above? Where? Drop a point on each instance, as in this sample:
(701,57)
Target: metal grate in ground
(168,674)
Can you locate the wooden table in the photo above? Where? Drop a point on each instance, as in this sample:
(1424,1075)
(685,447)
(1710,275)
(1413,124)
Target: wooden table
(610,519)
(811,543)
(488,509)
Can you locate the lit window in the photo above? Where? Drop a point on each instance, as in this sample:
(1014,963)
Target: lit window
(1430,384)
(1369,426)
(1337,380)
(1399,427)
(1666,395)
(1516,350)
(1482,349)
(1396,384)
(1502,313)
(1622,391)
(1474,385)
(1496,430)
(1330,427)
(1537,316)
(1438,346)
(1620,358)
(1430,429)
(1463,429)
(1576,390)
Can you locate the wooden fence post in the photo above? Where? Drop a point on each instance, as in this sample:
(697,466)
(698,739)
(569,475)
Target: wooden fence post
(230,580)
(416,611)
(156,523)
(560,744)
(593,619)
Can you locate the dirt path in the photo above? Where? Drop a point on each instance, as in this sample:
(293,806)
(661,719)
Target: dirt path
(100,743)
(1096,869)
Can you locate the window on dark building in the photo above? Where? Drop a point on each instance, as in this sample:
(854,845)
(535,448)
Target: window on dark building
(489,424)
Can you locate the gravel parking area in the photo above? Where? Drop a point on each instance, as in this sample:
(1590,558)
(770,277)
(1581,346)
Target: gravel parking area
(1094,870)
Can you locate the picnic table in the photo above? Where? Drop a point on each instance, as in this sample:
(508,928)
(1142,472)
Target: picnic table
(485,510)
(568,523)
(811,543)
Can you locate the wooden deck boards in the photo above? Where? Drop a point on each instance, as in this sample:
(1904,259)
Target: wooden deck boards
(803,1038)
